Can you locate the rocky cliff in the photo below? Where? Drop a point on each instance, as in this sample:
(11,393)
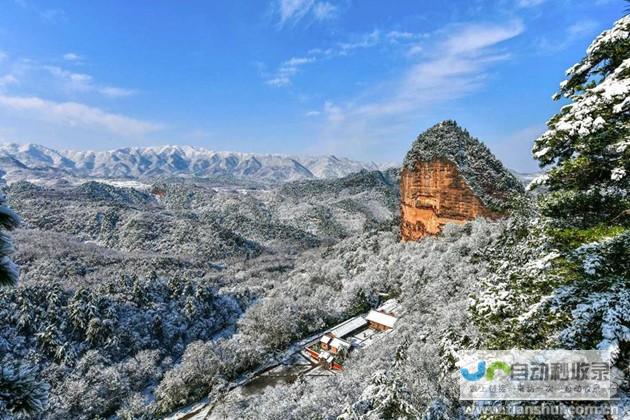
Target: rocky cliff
(450,177)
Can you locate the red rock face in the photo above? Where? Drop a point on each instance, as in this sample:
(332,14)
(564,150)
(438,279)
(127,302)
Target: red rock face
(433,194)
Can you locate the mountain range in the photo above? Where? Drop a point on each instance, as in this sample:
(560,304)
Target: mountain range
(32,161)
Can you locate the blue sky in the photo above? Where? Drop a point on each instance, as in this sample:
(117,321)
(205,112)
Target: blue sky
(354,78)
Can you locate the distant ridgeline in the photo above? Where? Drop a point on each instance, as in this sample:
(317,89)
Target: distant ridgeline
(32,161)
(450,177)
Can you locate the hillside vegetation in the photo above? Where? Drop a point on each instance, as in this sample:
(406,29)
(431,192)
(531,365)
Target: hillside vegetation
(135,302)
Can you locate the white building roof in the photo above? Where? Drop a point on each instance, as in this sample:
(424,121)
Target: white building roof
(337,343)
(381,318)
(325,339)
(390,307)
(326,356)
(349,326)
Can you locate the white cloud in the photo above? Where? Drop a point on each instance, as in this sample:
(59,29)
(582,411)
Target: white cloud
(400,35)
(8,79)
(456,67)
(334,112)
(73,57)
(298,61)
(3,55)
(292,11)
(460,40)
(324,10)
(457,64)
(475,37)
(573,33)
(313,113)
(74,114)
(279,81)
(287,70)
(529,3)
(405,36)
(582,28)
(415,50)
(283,76)
(364,41)
(49,15)
(74,81)
(408,40)
(116,92)
(80,82)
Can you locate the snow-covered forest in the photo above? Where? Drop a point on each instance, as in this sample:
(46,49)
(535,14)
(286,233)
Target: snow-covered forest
(120,287)
(132,303)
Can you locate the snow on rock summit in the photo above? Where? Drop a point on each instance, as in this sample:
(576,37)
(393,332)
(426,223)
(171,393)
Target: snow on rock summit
(450,177)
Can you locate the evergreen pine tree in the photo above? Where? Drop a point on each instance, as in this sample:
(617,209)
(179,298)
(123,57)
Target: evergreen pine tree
(587,142)
(21,393)
(8,221)
(588,146)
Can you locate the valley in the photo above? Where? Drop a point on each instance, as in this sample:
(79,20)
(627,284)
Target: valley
(314,210)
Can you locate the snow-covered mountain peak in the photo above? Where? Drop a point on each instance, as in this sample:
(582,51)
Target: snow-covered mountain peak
(28,161)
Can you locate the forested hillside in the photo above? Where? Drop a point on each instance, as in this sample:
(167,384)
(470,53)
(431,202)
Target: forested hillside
(117,284)
(134,302)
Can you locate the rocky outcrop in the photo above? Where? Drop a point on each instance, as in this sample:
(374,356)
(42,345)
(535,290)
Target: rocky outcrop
(450,177)
(433,194)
